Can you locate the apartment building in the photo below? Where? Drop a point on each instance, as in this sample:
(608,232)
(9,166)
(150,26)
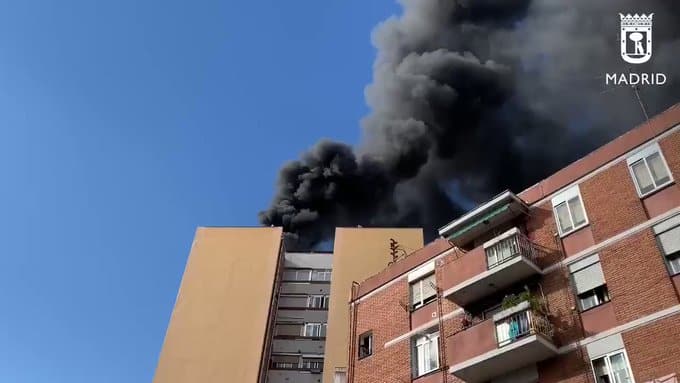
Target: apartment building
(247,310)
(298,347)
(575,279)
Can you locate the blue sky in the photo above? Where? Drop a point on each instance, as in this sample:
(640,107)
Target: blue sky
(123,126)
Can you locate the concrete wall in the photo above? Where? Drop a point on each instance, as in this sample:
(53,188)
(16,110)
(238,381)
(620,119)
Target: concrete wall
(302,315)
(224,300)
(358,253)
(315,288)
(283,376)
(296,346)
(309,260)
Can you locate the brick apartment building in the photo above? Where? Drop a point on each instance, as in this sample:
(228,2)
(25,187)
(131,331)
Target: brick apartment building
(575,279)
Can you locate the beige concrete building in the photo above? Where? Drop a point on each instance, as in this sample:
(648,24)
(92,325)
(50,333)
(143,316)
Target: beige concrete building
(358,253)
(242,294)
(218,328)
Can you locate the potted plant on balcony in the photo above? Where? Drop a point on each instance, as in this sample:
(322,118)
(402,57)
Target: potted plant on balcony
(536,303)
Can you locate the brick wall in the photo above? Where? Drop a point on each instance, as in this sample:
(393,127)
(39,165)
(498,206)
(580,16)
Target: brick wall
(611,202)
(573,367)
(383,314)
(637,278)
(670,146)
(654,350)
(634,269)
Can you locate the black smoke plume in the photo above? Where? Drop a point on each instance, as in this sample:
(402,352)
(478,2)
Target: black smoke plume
(471,97)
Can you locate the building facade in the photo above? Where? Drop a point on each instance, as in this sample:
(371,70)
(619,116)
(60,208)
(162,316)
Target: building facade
(249,311)
(298,347)
(575,279)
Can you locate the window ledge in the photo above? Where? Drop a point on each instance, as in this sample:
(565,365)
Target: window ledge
(579,228)
(595,307)
(436,370)
(660,188)
(302,308)
(414,309)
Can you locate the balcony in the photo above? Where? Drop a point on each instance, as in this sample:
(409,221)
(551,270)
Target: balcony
(512,339)
(499,263)
(295,362)
(489,216)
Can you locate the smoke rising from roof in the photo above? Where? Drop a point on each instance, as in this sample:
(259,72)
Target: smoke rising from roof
(471,97)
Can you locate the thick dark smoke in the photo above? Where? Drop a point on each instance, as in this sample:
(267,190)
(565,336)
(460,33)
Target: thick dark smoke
(471,97)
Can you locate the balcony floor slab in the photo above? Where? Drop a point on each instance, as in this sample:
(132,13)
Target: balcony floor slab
(494,363)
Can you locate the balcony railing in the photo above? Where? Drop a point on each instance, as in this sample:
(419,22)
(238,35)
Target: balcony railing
(513,245)
(299,365)
(518,336)
(521,324)
(487,269)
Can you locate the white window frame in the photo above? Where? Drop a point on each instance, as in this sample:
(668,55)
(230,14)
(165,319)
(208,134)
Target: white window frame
(313,325)
(642,155)
(367,335)
(564,197)
(666,226)
(419,353)
(298,274)
(326,275)
(323,298)
(608,364)
(421,303)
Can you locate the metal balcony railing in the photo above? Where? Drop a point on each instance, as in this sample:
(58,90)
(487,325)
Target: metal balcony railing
(521,324)
(509,248)
(301,365)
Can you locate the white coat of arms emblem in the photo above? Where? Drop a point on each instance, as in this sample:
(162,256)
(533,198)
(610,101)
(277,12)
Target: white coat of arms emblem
(636,38)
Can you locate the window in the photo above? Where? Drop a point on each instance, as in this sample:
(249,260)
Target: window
(314,330)
(318,301)
(365,345)
(649,170)
(423,291)
(668,238)
(306,275)
(289,329)
(312,363)
(292,300)
(321,275)
(296,275)
(426,354)
(594,297)
(589,283)
(502,250)
(569,212)
(612,368)
(285,361)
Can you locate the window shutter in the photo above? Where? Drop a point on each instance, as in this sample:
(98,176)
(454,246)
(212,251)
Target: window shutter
(415,292)
(670,241)
(429,287)
(588,278)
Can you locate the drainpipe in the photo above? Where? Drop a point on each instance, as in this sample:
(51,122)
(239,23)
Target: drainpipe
(352,331)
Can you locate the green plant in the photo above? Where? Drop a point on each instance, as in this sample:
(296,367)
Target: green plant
(513,300)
